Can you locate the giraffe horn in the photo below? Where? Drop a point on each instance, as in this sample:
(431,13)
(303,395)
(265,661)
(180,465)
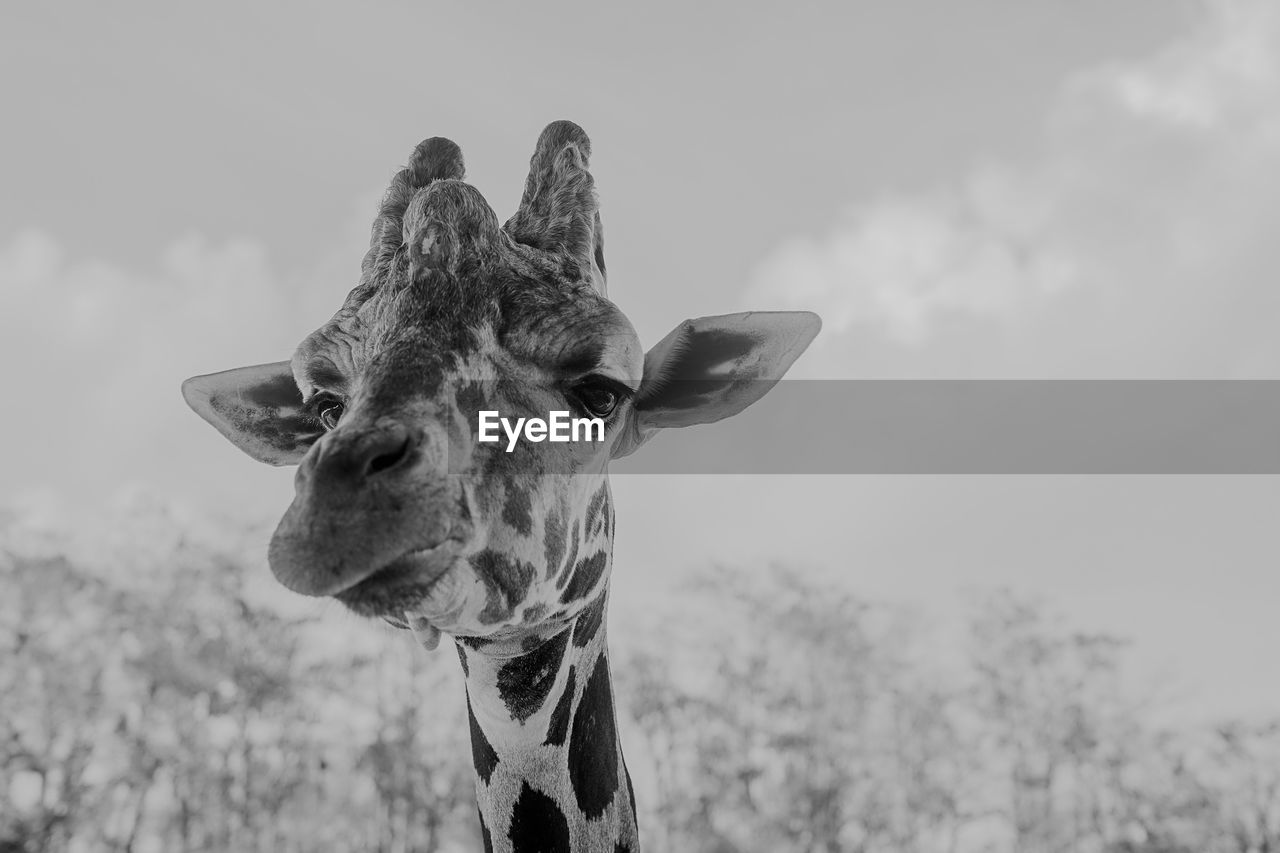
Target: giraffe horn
(444,223)
(434,159)
(559,212)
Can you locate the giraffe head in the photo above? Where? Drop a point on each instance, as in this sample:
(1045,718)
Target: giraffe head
(400,511)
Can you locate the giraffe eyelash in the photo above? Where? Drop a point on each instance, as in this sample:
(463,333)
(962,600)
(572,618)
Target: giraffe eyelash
(624,392)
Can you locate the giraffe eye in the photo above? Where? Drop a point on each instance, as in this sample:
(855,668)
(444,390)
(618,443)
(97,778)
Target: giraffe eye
(597,398)
(330,412)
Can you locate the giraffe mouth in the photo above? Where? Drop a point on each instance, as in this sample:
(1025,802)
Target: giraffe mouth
(399,590)
(403,584)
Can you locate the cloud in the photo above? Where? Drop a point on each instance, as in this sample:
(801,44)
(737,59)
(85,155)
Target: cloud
(96,352)
(1138,241)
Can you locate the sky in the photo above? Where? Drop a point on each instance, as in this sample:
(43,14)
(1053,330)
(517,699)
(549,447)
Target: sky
(995,189)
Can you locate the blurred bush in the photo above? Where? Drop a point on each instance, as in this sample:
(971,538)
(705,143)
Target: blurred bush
(148,702)
(151,699)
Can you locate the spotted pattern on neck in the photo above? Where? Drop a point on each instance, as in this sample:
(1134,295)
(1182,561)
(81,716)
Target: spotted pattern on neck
(550,774)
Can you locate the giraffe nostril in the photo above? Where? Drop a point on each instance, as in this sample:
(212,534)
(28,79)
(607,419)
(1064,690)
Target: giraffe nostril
(388,458)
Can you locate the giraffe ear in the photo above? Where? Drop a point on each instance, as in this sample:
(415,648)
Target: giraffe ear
(712,368)
(258,408)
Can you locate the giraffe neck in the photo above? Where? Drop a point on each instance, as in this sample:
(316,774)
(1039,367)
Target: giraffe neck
(550,775)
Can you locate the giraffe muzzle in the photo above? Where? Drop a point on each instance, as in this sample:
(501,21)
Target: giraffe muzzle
(367,504)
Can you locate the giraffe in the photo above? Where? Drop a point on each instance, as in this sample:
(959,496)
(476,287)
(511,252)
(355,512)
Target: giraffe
(401,513)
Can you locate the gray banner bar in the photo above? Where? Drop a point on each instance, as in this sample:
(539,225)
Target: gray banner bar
(984,427)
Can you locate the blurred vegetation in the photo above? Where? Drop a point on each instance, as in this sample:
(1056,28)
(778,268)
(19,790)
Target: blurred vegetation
(149,701)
